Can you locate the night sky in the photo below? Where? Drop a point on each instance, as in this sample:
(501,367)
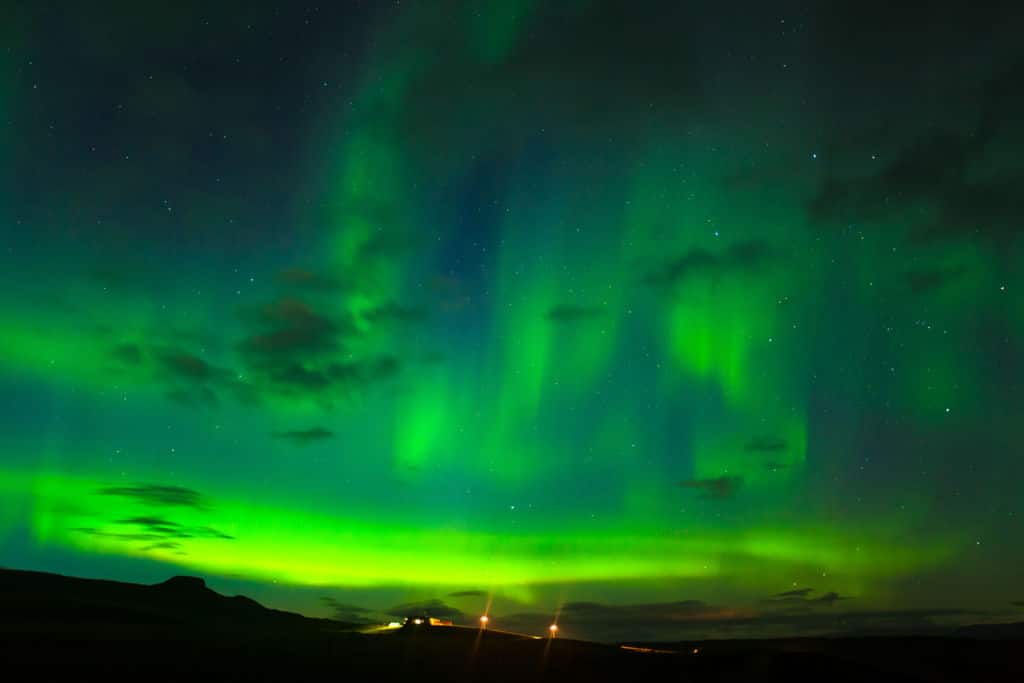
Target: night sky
(669,319)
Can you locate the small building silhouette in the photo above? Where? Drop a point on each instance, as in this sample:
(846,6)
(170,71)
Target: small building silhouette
(424,620)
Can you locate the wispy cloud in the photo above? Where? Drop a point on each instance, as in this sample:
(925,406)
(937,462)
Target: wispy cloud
(939,170)
(305,436)
(129,354)
(740,257)
(766,444)
(802,597)
(290,329)
(158,494)
(433,608)
(573,313)
(154,533)
(393,311)
(296,349)
(168,528)
(352,614)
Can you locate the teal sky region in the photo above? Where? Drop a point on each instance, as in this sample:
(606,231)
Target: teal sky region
(662,319)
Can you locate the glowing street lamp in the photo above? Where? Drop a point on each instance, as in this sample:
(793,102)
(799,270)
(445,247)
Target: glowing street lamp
(483,621)
(553,630)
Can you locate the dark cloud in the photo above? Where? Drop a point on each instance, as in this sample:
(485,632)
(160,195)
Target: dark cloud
(163,545)
(352,614)
(925,280)
(569,44)
(332,602)
(130,354)
(304,436)
(188,366)
(468,594)
(155,533)
(290,329)
(740,257)
(295,349)
(766,444)
(830,598)
(991,210)
(167,528)
(719,488)
(1002,102)
(348,376)
(395,312)
(118,536)
(157,525)
(296,376)
(433,608)
(361,373)
(191,380)
(210,532)
(158,494)
(571,313)
(186,377)
(308,280)
(937,172)
(802,597)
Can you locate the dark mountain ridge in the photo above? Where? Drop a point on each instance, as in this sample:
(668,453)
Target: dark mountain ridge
(29,596)
(65,628)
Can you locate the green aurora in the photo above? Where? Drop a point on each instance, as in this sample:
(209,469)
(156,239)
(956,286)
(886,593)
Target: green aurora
(547,305)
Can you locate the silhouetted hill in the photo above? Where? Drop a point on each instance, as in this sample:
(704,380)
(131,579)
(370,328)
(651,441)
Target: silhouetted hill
(62,628)
(992,631)
(38,597)
(920,658)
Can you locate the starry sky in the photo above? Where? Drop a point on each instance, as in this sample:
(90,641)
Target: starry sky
(662,319)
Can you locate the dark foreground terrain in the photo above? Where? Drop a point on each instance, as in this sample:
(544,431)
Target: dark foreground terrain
(59,628)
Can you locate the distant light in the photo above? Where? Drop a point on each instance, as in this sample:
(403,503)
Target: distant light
(696,650)
(417,621)
(484,619)
(554,629)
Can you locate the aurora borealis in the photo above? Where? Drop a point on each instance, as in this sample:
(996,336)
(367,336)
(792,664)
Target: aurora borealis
(706,315)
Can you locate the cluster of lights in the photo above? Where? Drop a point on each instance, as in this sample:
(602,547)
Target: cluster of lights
(484,621)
